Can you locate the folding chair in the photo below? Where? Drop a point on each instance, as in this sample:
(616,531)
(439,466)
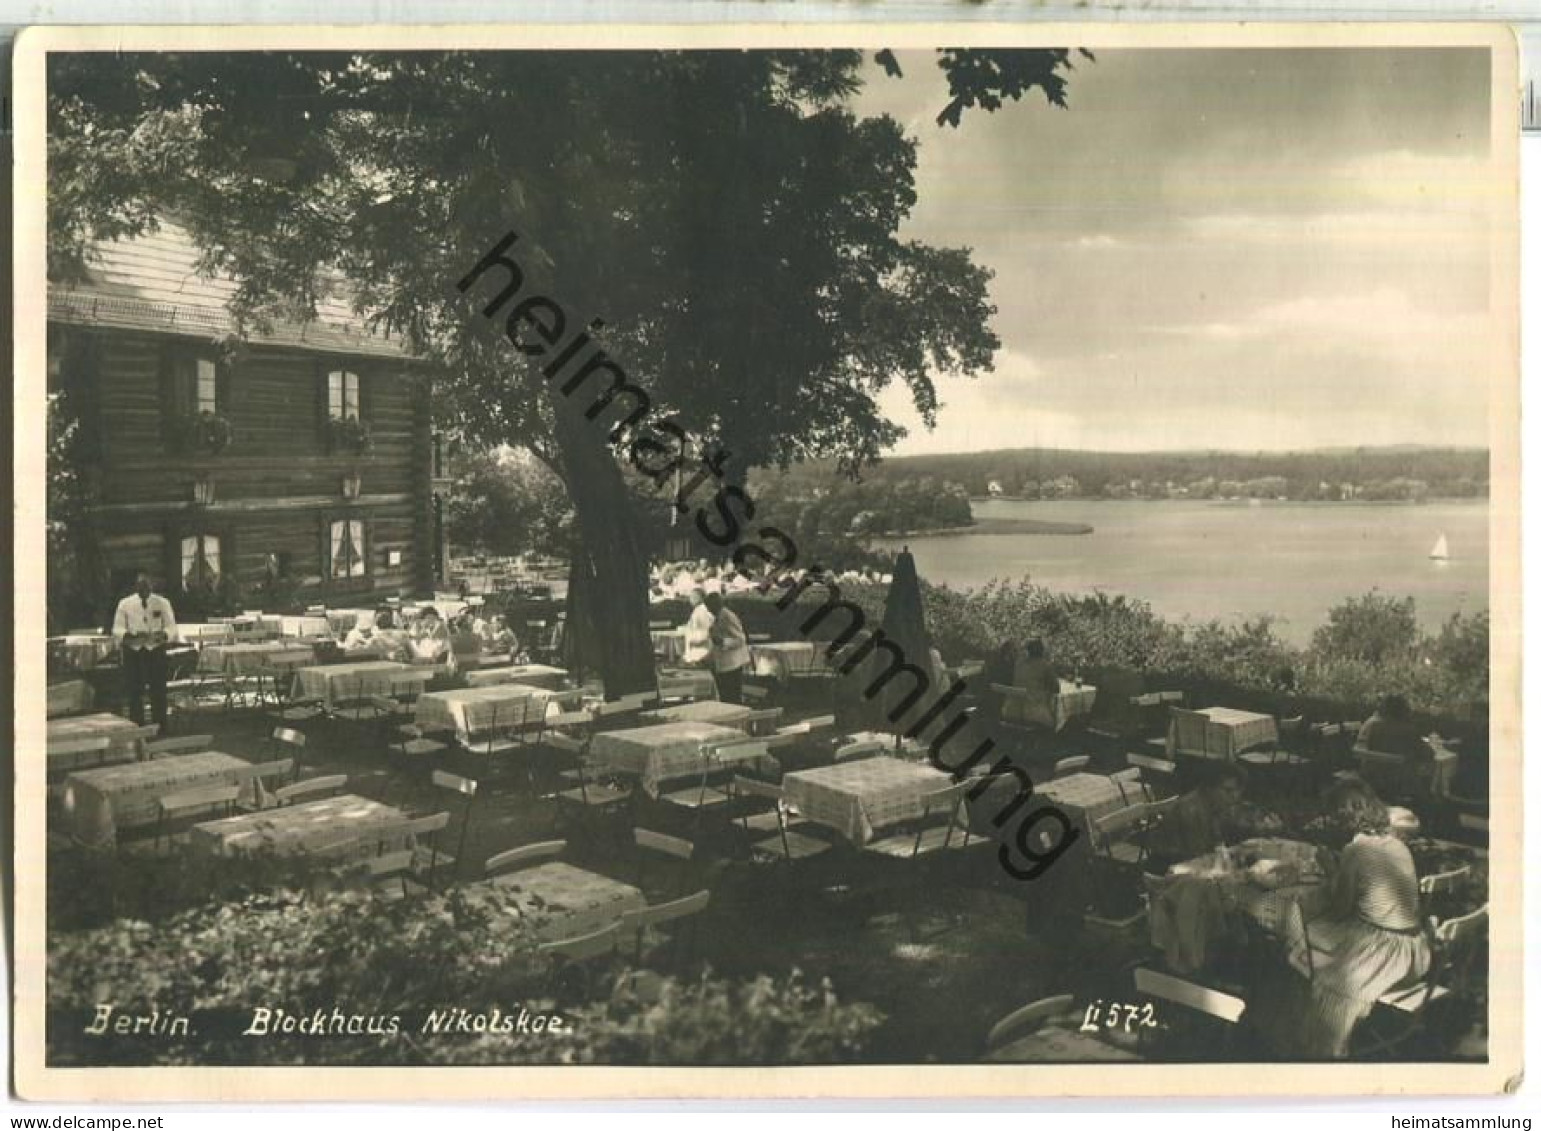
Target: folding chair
(662,847)
(516,858)
(328,786)
(194,802)
(423,835)
(1216,1003)
(1028,1019)
(638,922)
(1131,786)
(932,831)
(463,787)
(782,843)
(290,740)
(588,796)
(171,747)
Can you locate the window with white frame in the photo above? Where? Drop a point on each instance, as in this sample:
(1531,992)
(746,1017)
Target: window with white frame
(342,395)
(347,541)
(206,385)
(200,561)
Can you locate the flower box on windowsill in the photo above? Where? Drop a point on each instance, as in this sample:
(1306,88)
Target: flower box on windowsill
(346,434)
(207,433)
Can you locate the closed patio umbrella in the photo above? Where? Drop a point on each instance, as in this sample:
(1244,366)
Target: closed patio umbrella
(904,624)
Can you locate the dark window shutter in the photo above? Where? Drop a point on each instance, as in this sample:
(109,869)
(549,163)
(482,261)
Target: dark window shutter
(224,388)
(366,391)
(171,561)
(175,390)
(321,403)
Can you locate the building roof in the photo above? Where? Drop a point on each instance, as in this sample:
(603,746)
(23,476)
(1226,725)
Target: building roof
(152,283)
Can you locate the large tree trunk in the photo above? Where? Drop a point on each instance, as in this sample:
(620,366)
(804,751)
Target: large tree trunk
(607,595)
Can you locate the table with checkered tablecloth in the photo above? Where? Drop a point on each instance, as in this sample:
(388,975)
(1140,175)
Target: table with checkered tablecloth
(668,751)
(535,675)
(467,710)
(97,803)
(81,651)
(703,711)
(252,659)
(1084,797)
(123,739)
(331,682)
(786,659)
(1227,733)
(561,901)
(346,827)
(1073,701)
(668,644)
(857,799)
(1192,907)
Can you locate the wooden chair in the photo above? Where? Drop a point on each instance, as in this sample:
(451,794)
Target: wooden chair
(1131,786)
(171,747)
(461,786)
(189,803)
(327,786)
(934,830)
(361,706)
(1158,774)
(287,741)
(637,923)
(588,797)
(853,751)
(423,835)
(1218,1004)
(783,843)
(1028,1019)
(1067,766)
(80,753)
(515,858)
(660,847)
(582,948)
(1402,1012)
(263,775)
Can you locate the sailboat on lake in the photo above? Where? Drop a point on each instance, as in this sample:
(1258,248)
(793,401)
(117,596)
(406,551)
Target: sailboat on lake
(1441,550)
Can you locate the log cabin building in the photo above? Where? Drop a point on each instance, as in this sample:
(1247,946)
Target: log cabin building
(287,467)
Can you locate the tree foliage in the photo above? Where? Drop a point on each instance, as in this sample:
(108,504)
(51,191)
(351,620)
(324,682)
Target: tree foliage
(733,223)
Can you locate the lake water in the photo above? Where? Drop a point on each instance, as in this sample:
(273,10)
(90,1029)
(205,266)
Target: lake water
(1202,560)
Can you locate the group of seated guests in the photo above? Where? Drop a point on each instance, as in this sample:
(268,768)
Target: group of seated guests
(1367,939)
(427,639)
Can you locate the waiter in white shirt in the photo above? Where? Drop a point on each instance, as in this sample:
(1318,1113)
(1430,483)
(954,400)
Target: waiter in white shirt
(730,649)
(143,625)
(698,631)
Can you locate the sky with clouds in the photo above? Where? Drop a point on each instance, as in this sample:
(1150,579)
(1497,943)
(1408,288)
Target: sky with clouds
(1248,249)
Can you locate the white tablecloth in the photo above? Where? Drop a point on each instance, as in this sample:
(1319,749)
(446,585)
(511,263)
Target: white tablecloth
(562,901)
(536,675)
(1071,702)
(120,732)
(702,711)
(97,803)
(668,751)
(787,659)
(859,798)
(1228,732)
(347,827)
(471,709)
(249,659)
(332,682)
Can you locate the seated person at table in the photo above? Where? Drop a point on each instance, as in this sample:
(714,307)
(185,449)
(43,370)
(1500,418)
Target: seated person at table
(1200,820)
(380,638)
(1369,940)
(497,637)
(1034,675)
(429,639)
(1391,730)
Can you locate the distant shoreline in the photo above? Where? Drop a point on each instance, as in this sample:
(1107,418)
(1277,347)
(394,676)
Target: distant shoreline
(994,526)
